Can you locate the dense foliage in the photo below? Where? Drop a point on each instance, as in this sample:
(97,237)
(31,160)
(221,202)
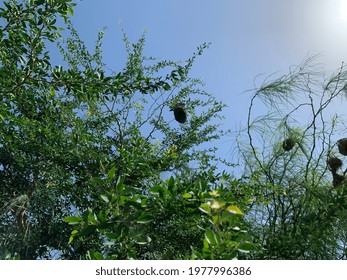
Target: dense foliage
(92,162)
(94,165)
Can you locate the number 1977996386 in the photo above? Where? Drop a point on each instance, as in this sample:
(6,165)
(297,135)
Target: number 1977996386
(215,270)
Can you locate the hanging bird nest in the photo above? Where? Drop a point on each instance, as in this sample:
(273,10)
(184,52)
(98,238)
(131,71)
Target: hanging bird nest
(288,144)
(334,163)
(338,179)
(342,146)
(180,113)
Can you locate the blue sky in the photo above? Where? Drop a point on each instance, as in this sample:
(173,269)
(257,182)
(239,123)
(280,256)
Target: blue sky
(249,37)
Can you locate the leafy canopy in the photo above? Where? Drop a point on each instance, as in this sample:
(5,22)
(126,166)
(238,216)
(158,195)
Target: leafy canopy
(92,163)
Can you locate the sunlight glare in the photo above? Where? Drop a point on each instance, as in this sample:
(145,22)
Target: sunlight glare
(343,9)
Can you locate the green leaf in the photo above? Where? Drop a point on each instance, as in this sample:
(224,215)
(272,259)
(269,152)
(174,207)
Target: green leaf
(171,183)
(119,185)
(142,240)
(215,219)
(71,238)
(111,174)
(72,220)
(94,255)
(111,235)
(105,198)
(73,234)
(217,204)
(187,195)
(89,217)
(246,247)
(234,210)
(70,10)
(88,230)
(210,236)
(205,208)
(105,225)
(144,219)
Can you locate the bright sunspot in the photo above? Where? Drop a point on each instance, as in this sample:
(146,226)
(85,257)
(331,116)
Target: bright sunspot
(343,10)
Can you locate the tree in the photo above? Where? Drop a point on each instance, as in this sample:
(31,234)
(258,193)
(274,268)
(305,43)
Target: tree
(91,163)
(291,158)
(30,147)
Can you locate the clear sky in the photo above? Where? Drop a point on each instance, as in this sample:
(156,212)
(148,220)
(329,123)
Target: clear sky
(249,37)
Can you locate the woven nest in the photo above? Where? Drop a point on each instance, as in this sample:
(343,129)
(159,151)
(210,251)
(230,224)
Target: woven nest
(338,179)
(180,113)
(334,163)
(342,146)
(288,144)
